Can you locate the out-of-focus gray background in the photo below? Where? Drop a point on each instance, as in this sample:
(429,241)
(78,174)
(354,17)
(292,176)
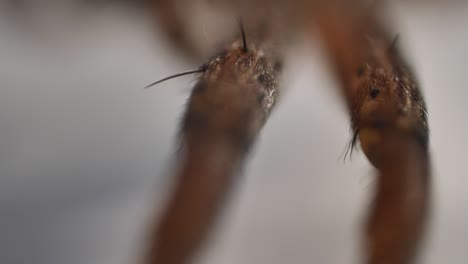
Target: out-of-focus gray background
(85,151)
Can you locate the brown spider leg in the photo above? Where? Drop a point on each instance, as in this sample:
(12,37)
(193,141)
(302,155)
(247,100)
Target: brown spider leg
(169,19)
(225,113)
(398,214)
(266,17)
(388,110)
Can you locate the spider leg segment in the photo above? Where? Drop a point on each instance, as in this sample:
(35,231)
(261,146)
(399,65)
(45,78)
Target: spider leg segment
(389,114)
(170,21)
(397,217)
(226,110)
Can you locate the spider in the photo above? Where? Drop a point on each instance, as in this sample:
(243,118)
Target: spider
(238,88)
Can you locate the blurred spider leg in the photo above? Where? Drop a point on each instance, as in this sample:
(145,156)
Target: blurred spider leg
(389,114)
(169,18)
(398,214)
(225,113)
